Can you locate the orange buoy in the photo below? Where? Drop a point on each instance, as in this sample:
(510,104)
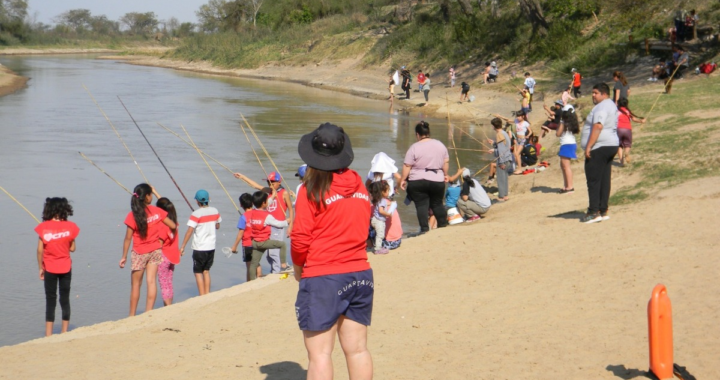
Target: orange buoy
(660,334)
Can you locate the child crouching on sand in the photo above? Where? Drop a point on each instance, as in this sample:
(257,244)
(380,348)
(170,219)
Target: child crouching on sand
(170,251)
(260,222)
(57,240)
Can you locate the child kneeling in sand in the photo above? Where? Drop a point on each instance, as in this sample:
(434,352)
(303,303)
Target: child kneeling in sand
(260,222)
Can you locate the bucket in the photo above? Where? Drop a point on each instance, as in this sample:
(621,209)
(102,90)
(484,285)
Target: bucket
(454,216)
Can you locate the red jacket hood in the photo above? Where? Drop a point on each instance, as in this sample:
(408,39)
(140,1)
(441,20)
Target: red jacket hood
(346,183)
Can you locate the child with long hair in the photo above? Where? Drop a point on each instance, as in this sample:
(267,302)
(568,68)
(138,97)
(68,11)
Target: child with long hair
(621,89)
(143,231)
(567,130)
(624,131)
(57,240)
(170,251)
(379,195)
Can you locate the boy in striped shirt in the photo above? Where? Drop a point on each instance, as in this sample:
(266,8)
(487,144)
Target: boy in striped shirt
(202,225)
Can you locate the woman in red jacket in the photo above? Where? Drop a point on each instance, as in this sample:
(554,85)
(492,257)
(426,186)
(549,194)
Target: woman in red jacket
(332,216)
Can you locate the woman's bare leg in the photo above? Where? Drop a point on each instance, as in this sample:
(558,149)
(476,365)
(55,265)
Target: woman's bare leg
(152,270)
(320,345)
(65,325)
(48,328)
(567,173)
(353,340)
(136,278)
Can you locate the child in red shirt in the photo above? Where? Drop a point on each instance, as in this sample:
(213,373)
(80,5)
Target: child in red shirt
(538,147)
(143,230)
(259,221)
(57,240)
(170,251)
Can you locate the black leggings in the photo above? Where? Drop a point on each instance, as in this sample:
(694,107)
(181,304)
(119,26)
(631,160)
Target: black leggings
(428,195)
(576,91)
(51,285)
(598,172)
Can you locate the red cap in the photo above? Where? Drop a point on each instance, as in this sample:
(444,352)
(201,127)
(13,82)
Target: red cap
(274,177)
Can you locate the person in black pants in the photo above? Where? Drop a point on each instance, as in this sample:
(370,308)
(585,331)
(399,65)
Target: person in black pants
(406,82)
(600,141)
(424,175)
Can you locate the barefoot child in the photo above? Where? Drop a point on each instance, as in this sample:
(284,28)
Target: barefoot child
(379,194)
(201,226)
(143,230)
(57,240)
(170,250)
(245,236)
(261,221)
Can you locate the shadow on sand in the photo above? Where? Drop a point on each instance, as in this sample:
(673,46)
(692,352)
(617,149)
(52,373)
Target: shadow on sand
(629,373)
(283,371)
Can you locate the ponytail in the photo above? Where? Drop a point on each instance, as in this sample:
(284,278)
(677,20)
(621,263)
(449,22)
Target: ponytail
(138,206)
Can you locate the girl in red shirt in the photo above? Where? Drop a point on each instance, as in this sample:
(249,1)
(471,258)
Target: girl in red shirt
(624,129)
(57,240)
(328,251)
(143,230)
(170,251)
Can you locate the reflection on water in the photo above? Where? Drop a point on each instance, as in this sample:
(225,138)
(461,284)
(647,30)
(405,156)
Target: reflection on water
(45,125)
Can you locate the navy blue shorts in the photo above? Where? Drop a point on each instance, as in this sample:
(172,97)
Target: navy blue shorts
(322,300)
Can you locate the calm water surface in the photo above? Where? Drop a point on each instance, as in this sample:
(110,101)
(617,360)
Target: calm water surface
(44,126)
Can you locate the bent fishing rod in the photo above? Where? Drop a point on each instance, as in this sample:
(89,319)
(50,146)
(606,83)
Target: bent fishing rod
(156,155)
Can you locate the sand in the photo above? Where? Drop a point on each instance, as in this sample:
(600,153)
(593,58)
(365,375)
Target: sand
(10,82)
(526,293)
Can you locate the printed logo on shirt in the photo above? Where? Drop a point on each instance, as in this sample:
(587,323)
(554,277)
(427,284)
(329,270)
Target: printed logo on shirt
(51,236)
(355,283)
(337,197)
(153,218)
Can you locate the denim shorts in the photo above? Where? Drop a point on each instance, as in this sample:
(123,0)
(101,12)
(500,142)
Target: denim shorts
(322,300)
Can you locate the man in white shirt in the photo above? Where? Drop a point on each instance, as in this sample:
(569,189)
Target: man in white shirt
(530,85)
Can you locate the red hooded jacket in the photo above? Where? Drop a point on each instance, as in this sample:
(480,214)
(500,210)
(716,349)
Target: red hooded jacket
(332,239)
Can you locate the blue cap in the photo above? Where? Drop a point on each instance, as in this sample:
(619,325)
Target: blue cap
(202,196)
(301,171)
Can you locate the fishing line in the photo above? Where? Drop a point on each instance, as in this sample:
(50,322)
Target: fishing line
(116,133)
(103,171)
(209,167)
(200,150)
(156,155)
(452,135)
(20,204)
(264,150)
(253,150)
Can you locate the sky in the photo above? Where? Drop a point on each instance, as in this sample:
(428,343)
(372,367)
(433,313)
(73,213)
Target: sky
(183,10)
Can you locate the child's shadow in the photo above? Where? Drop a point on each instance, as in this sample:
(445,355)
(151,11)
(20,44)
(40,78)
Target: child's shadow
(544,190)
(283,371)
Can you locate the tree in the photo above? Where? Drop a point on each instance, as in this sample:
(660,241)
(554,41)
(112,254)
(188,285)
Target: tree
(533,11)
(77,19)
(254,6)
(465,6)
(102,25)
(185,29)
(140,23)
(222,15)
(13,10)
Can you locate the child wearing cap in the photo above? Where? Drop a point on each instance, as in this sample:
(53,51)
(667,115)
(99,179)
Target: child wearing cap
(202,225)
(278,208)
(300,174)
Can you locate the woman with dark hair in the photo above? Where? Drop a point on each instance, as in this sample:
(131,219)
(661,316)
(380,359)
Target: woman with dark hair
(424,175)
(56,240)
(143,230)
(624,131)
(567,130)
(170,251)
(621,88)
(328,251)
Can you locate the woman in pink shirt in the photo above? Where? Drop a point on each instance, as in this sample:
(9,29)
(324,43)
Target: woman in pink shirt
(424,175)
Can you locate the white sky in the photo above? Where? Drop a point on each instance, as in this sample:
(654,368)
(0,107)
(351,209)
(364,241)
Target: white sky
(183,10)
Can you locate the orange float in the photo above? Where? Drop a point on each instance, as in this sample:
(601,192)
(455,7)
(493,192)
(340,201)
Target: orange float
(660,334)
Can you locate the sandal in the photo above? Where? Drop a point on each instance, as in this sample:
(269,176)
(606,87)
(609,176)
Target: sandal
(567,191)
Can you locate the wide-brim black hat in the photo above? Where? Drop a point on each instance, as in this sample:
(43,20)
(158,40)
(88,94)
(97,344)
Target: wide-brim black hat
(326,148)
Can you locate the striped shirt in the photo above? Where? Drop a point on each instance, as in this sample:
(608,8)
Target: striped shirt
(203,220)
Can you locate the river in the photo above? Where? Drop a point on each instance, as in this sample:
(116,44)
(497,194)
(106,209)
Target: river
(45,126)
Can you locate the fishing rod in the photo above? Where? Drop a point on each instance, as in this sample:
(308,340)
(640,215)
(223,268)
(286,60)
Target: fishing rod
(669,82)
(200,150)
(103,171)
(21,205)
(452,135)
(253,150)
(209,167)
(480,171)
(116,133)
(156,155)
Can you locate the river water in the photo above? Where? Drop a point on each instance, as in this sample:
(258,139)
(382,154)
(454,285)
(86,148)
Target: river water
(44,127)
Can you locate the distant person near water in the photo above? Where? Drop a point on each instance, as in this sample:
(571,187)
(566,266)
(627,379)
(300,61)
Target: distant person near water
(452,76)
(335,296)
(600,143)
(406,82)
(503,158)
(202,225)
(474,201)
(464,91)
(424,175)
(426,88)
(576,82)
(530,86)
(143,231)
(56,240)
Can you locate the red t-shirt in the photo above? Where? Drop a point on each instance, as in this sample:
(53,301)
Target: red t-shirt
(538,147)
(155,216)
(624,121)
(277,207)
(170,243)
(256,219)
(421,78)
(56,237)
(577,79)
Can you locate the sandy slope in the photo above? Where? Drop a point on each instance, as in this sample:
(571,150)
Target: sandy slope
(10,82)
(527,293)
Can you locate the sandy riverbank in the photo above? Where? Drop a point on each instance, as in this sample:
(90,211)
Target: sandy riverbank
(51,51)
(527,293)
(10,81)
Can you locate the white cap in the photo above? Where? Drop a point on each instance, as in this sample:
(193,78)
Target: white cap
(569,108)
(466,173)
(493,63)
(573,70)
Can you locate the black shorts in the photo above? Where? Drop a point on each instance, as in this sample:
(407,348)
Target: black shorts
(247,254)
(203,260)
(464,92)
